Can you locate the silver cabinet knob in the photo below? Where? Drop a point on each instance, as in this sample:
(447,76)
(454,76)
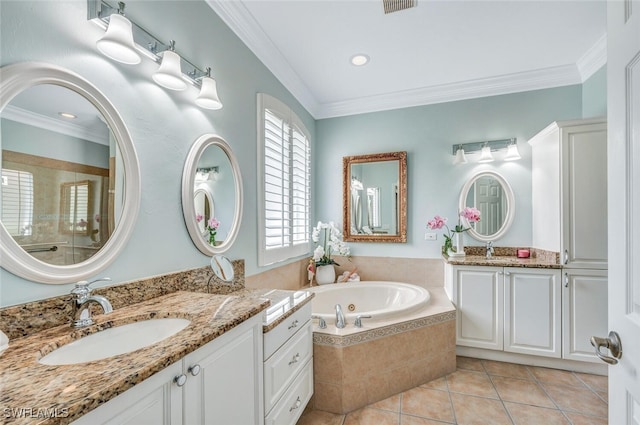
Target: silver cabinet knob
(194,370)
(180,380)
(293,324)
(295,359)
(296,405)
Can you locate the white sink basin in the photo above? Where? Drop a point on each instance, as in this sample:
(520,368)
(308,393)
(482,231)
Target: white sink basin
(114,341)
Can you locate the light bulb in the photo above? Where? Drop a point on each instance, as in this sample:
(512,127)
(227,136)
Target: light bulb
(169,75)
(485,155)
(117,42)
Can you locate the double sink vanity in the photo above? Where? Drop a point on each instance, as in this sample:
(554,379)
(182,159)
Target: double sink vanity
(243,357)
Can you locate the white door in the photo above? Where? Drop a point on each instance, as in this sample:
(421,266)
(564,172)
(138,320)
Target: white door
(623,104)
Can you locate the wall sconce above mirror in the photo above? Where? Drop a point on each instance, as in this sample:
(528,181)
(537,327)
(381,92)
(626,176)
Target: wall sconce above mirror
(124,41)
(375,197)
(460,151)
(212,194)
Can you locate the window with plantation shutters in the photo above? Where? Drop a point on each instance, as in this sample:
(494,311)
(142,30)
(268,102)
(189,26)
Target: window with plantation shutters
(284,158)
(17,202)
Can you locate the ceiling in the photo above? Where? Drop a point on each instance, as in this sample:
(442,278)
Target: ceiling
(438,51)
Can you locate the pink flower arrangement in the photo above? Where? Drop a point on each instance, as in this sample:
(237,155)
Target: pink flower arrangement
(471,214)
(212,227)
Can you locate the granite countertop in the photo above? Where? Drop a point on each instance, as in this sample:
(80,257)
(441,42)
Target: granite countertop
(78,389)
(283,304)
(503,261)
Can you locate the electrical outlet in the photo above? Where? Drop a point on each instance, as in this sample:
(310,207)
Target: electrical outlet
(430,236)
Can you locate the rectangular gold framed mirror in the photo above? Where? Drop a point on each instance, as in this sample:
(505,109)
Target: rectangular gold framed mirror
(375,197)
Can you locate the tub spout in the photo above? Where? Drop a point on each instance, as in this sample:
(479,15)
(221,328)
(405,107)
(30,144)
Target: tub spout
(340,320)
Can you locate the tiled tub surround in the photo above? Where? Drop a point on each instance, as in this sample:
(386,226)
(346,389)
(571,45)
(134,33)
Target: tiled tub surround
(425,272)
(354,367)
(74,390)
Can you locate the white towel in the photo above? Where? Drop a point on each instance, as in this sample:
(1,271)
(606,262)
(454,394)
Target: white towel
(4,342)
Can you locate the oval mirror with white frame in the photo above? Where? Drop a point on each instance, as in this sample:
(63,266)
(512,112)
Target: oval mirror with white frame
(490,193)
(212,174)
(70,175)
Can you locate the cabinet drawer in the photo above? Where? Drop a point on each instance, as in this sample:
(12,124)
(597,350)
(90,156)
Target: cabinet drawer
(291,405)
(285,330)
(281,368)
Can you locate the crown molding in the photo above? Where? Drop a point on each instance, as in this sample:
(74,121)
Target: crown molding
(244,25)
(492,86)
(31,118)
(593,59)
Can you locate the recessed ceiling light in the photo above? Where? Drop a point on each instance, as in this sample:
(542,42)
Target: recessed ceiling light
(67,115)
(360,59)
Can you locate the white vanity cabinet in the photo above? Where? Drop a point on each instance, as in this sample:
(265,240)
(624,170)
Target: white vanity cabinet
(584,311)
(478,294)
(219,383)
(509,309)
(288,368)
(224,378)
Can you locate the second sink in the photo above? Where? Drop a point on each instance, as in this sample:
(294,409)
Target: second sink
(114,341)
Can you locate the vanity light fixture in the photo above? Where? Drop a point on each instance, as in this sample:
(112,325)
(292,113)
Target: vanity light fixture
(460,157)
(460,151)
(117,42)
(124,41)
(485,155)
(208,97)
(512,152)
(208,173)
(169,75)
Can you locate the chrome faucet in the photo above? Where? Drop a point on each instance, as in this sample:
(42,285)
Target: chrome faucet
(82,299)
(340,320)
(490,249)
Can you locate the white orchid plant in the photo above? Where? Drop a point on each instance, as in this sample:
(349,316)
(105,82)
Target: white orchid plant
(330,242)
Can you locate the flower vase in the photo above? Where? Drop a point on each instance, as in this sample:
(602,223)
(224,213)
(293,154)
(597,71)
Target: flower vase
(458,246)
(325,274)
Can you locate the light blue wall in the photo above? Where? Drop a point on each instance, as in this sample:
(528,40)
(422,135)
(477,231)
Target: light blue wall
(594,95)
(427,133)
(163,124)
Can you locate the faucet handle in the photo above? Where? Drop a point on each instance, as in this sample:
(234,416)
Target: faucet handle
(358,322)
(322,324)
(85,284)
(82,287)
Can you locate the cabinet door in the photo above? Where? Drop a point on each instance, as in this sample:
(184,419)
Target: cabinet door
(478,295)
(584,197)
(155,401)
(532,303)
(227,390)
(584,312)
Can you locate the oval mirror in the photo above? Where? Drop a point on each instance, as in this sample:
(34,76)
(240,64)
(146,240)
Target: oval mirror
(490,193)
(211,174)
(70,175)
(222,268)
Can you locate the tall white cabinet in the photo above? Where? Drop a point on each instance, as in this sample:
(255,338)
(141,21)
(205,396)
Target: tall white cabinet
(569,198)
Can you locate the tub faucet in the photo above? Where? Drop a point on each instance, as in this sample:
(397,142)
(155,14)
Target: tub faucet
(490,249)
(82,299)
(340,320)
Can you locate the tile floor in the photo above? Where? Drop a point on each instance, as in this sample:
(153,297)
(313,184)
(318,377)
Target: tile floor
(486,392)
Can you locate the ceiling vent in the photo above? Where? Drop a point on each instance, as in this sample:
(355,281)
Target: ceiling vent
(391,6)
